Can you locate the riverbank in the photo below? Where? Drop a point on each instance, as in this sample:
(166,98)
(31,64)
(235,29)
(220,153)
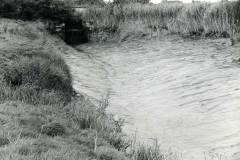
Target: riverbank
(37,122)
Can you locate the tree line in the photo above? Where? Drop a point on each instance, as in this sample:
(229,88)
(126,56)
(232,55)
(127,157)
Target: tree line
(35,9)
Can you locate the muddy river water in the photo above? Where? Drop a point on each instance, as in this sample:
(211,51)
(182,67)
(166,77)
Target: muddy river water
(184,92)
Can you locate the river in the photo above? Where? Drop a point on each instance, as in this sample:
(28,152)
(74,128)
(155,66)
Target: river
(185,93)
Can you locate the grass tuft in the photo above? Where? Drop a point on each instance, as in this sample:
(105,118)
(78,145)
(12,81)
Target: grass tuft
(53,129)
(105,153)
(34,76)
(4,141)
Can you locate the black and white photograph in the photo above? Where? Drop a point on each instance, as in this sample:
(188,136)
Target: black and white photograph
(119,79)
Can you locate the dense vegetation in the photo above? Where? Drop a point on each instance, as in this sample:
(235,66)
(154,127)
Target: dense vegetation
(202,19)
(32,9)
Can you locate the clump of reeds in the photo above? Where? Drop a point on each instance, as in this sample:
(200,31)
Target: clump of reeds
(202,19)
(219,19)
(151,152)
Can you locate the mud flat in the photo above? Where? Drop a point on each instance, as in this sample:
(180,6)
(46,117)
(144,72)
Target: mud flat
(184,92)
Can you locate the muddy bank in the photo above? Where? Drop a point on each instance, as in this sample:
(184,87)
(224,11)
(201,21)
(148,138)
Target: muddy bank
(183,92)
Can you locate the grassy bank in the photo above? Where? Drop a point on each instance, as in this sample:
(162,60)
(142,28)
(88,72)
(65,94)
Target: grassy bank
(41,116)
(197,19)
(31,73)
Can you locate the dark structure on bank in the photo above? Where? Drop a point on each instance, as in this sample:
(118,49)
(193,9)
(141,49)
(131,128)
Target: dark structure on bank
(60,16)
(75,32)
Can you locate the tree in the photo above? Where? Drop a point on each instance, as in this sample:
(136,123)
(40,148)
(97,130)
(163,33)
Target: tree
(35,9)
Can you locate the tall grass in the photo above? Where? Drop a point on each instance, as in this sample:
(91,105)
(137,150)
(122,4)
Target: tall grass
(207,19)
(34,76)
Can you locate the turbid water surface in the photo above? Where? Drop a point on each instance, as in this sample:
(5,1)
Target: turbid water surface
(184,92)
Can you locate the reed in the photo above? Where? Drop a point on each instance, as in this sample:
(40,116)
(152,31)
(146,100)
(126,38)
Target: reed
(205,19)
